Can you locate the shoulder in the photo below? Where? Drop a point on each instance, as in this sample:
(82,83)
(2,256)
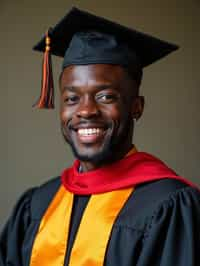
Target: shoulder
(34,201)
(150,198)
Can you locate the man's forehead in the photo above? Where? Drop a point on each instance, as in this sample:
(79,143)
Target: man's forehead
(97,72)
(97,77)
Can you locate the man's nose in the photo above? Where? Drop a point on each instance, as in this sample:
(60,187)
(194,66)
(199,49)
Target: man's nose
(88,108)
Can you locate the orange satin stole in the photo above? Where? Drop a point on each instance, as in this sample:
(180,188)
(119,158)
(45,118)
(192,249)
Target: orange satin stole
(89,248)
(50,244)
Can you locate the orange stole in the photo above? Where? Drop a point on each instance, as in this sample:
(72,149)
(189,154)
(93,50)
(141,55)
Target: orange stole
(89,248)
(50,244)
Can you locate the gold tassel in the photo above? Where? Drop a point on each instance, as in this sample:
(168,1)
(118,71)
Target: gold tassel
(46,99)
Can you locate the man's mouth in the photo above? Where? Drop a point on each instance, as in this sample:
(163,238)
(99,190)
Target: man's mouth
(89,131)
(90,135)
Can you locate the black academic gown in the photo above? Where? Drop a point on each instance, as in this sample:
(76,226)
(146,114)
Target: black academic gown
(158,226)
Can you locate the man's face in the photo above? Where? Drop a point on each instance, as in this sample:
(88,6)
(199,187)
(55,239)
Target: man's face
(96,110)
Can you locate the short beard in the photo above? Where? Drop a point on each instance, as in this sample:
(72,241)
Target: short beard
(97,158)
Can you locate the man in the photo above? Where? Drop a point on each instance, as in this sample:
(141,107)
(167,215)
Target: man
(115,205)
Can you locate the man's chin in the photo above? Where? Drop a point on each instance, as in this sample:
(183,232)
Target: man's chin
(96,157)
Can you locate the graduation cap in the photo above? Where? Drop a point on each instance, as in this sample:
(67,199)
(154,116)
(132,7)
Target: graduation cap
(82,38)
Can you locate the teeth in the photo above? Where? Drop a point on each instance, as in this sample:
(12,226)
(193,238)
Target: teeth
(88,131)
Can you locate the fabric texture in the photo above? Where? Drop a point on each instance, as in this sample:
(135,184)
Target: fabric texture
(91,47)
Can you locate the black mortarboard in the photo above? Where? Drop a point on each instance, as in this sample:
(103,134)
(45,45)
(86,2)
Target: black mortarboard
(83,38)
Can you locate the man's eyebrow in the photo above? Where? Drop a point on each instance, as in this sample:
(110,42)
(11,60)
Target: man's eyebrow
(69,88)
(104,86)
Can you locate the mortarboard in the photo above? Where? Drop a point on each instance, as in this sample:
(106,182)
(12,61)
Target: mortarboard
(82,38)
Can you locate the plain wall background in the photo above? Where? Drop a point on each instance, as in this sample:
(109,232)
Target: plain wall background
(32,149)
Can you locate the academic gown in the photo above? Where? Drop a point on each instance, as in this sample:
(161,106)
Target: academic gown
(158,225)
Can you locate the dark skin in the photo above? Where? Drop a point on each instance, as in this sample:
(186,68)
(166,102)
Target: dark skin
(98,105)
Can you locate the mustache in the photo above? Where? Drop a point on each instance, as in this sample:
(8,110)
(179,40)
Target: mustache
(88,123)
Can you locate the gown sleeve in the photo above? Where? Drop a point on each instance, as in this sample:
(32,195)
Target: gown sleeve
(11,238)
(172,238)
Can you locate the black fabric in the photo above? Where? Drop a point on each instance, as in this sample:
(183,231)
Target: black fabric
(158,226)
(12,237)
(43,196)
(99,48)
(79,205)
(147,48)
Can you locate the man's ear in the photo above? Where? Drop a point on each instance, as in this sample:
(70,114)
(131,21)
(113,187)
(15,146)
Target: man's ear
(138,107)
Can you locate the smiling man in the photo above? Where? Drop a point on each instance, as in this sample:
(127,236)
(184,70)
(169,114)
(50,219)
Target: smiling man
(115,206)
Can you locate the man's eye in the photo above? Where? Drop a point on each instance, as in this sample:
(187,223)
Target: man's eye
(107,98)
(71,99)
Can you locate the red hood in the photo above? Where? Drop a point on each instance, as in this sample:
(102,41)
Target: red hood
(130,171)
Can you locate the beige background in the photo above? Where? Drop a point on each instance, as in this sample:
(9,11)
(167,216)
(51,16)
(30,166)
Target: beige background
(32,149)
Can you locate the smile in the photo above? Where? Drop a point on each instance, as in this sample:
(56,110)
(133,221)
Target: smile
(89,131)
(90,135)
